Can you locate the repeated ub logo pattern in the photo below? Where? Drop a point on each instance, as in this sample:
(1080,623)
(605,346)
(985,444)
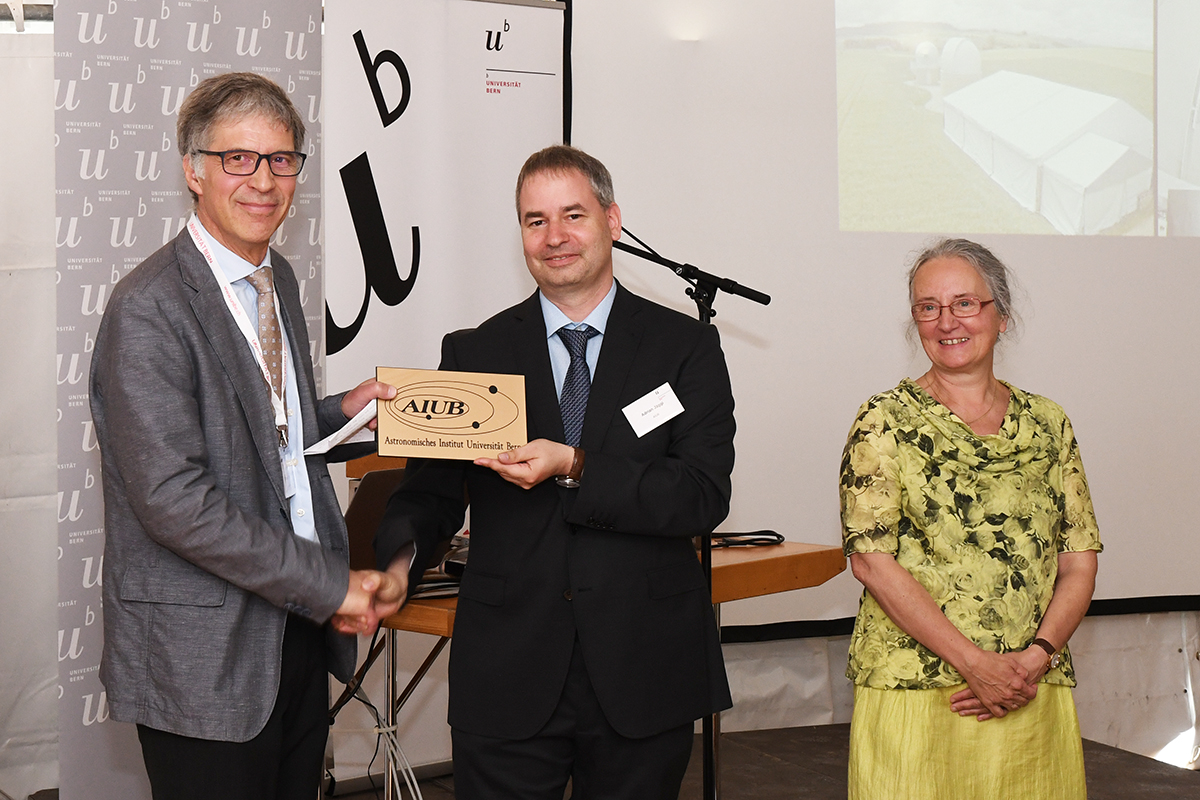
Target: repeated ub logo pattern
(122,71)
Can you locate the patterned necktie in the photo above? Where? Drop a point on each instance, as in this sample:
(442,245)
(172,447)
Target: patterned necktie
(269,337)
(577,383)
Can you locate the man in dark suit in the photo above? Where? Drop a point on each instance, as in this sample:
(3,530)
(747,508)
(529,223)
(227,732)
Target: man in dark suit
(225,551)
(584,644)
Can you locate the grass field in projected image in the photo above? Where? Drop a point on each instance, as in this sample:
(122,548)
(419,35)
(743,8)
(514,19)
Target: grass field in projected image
(897,169)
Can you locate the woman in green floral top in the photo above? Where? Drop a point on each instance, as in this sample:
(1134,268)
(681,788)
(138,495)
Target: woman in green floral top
(967,517)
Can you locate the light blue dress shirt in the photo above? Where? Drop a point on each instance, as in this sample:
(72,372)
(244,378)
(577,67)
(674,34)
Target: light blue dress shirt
(560,359)
(291,457)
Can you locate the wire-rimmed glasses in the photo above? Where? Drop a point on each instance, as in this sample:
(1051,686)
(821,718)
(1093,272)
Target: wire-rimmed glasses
(928,311)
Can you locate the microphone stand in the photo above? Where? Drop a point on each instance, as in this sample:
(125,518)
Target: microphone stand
(704,285)
(703,288)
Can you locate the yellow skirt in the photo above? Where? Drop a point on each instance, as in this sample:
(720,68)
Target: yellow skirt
(906,744)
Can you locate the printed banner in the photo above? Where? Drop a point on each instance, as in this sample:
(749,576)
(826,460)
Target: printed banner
(432,107)
(122,69)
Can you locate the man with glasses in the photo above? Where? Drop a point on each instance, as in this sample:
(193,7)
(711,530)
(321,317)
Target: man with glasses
(227,593)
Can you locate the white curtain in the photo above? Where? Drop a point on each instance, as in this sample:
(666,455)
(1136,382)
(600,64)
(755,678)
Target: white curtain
(28,449)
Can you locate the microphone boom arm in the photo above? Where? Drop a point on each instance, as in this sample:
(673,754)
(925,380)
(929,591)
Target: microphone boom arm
(705,285)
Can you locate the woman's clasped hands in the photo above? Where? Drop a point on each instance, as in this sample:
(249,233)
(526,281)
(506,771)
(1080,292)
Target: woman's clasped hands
(998,683)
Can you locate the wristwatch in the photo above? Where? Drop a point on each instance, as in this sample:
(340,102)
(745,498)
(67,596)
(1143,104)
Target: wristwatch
(571,479)
(1055,656)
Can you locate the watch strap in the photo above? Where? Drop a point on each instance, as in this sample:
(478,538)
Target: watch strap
(571,479)
(1050,649)
(1052,653)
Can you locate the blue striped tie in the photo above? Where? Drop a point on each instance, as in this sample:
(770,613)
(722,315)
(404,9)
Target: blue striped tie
(577,383)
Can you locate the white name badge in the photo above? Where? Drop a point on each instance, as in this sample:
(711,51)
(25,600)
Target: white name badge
(653,409)
(289,475)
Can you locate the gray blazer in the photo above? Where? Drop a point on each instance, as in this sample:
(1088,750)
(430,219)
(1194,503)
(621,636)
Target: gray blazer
(200,563)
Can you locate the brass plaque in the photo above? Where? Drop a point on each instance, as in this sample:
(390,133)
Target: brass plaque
(464,415)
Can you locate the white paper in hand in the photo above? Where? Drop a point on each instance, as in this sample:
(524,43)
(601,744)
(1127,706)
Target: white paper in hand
(352,432)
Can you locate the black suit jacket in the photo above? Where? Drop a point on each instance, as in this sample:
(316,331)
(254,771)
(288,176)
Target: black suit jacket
(611,562)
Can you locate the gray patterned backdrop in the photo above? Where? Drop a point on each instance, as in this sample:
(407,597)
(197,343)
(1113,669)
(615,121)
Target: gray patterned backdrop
(122,68)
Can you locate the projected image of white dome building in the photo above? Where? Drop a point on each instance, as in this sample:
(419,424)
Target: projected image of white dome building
(959,64)
(926,64)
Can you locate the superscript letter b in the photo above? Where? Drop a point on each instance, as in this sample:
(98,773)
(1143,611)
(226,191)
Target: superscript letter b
(371,67)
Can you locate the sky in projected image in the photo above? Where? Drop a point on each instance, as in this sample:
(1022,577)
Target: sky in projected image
(1103,23)
(1002,117)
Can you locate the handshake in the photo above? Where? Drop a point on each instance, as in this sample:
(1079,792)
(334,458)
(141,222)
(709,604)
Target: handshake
(371,597)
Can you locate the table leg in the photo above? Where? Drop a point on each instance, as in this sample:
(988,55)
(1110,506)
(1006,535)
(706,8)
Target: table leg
(419,675)
(393,704)
(389,711)
(355,682)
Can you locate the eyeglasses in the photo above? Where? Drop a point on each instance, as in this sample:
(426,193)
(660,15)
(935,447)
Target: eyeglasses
(928,311)
(283,164)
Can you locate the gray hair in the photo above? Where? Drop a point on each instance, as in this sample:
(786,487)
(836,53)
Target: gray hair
(995,274)
(232,96)
(562,158)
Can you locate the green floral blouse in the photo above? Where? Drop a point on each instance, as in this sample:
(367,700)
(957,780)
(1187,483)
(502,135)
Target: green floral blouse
(979,521)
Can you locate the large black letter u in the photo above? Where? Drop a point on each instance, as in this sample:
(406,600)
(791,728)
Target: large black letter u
(379,263)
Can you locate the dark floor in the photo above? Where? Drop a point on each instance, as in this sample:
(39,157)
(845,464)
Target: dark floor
(810,763)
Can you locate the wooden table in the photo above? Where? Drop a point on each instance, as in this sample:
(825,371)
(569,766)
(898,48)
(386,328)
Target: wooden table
(434,616)
(738,573)
(741,572)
